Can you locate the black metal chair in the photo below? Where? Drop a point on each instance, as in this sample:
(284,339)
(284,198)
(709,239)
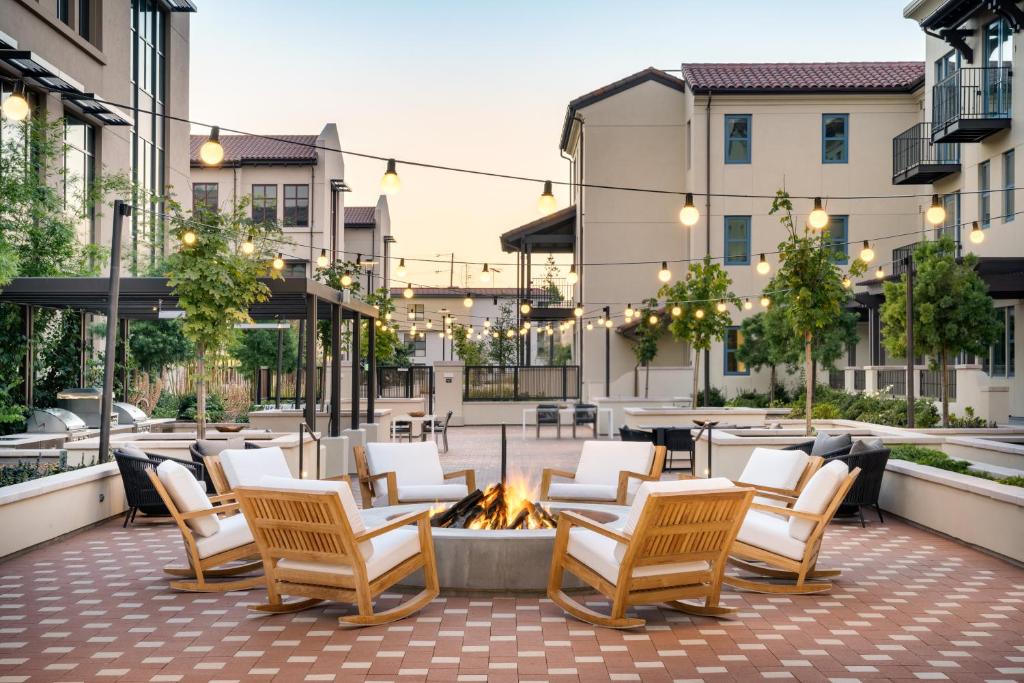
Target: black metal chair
(865,489)
(439,426)
(401,429)
(584,414)
(680,439)
(138,489)
(549,414)
(630,434)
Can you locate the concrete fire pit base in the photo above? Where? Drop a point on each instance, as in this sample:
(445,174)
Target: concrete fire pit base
(495,561)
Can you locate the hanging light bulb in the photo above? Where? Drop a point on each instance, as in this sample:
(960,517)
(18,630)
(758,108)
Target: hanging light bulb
(578,311)
(609,324)
(546,204)
(867,254)
(248,248)
(510,333)
(677,311)
(322,260)
(572,278)
(524,307)
(278,262)
(400,272)
(527,324)
(551,331)
(487,322)
(747,304)
(468,301)
(936,213)
(188,238)
(390,184)
(652,320)
(629,311)
(879,273)
(847,282)
(387,316)
(721,307)
(495,335)
(977,235)
(664,275)
(763,267)
(600,321)
(590,326)
(689,215)
(765,302)
(699,314)
(818,217)
(377,322)
(430,324)
(407,292)
(16,107)
(346,279)
(212,152)
(412,328)
(485,274)
(440,335)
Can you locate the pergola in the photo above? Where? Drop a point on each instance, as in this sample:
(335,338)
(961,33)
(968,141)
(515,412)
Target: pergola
(150,298)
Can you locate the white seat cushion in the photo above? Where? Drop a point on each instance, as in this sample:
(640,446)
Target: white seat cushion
(770,532)
(601,461)
(414,464)
(234,532)
(598,553)
(816,496)
(774,468)
(188,496)
(344,491)
(649,487)
(429,493)
(245,467)
(389,550)
(583,491)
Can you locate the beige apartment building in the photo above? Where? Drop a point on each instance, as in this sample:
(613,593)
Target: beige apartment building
(94,63)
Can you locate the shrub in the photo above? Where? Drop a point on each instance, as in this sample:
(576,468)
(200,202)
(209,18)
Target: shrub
(938,459)
(214,408)
(874,408)
(27,471)
(826,411)
(715,394)
(166,406)
(968,421)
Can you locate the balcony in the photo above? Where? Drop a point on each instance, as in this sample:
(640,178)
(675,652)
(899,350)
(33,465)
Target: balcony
(971,103)
(899,258)
(916,160)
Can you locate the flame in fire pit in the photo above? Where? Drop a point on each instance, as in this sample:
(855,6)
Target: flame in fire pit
(501,506)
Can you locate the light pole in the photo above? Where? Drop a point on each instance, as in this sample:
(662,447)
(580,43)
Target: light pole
(388,241)
(910,340)
(113,294)
(607,353)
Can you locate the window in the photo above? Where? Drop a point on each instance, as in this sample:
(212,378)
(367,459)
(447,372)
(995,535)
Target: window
(416,312)
(205,195)
(949,227)
(63,12)
(737,240)
(838,236)
(998,47)
(296,205)
(85,19)
(733,341)
(264,203)
(984,196)
(417,343)
(1009,173)
(835,138)
(737,138)
(689,145)
(947,65)
(1002,357)
(79,174)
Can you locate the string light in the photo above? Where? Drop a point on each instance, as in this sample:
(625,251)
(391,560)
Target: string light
(653,320)
(747,304)
(578,311)
(487,323)
(590,326)
(867,254)
(278,262)
(689,215)
(720,307)
(765,302)
(390,184)
(485,274)
(763,267)
(847,283)
(400,272)
(547,204)
(524,307)
(510,333)
(677,311)
(248,248)
(16,107)
(407,292)
(879,273)
(188,238)
(977,235)
(608,324)
(818,217)
(936,213)
(468,301)
(322,260)
(629,311)
(346,279)
(572,278)
(699,314)
(600,321)
(430,324)
(664,275)
(527,324)
(387,316)
(212,152)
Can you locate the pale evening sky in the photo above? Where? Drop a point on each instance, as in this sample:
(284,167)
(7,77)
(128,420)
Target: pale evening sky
(483,85)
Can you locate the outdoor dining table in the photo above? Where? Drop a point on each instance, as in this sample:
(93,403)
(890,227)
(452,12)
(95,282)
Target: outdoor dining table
(415,420)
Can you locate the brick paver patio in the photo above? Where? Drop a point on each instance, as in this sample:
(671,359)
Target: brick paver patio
(910,605)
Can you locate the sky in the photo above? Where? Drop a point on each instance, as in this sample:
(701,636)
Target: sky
(483,85)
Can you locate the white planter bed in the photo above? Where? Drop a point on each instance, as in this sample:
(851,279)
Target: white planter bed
(37,511)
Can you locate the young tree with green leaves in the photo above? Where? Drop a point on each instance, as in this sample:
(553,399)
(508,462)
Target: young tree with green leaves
(645,341)
(767,342)
(953,312)
(551,274)
(215,282)
(812,280)
(155,344)
(256,349)
(501,349)
(699,294)
(469,351)
(389,348)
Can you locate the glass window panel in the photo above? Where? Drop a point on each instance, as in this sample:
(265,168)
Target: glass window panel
(737,138)
(1009,179)
(835,138)
(984,198)
(264,203)
(296,205)
(733,340)
(838,236)
(737,240)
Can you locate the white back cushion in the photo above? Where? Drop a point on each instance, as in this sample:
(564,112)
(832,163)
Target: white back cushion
(774,468)
(414,464)
(649,487)
(245,467)
(601,461)
(816,496)
(344,491)
(188,496)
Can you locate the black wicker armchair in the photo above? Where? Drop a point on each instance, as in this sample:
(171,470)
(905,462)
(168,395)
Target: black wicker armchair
(865,489)
(584,414)
(680,439)
(808,446)
(630,434)
(138,490)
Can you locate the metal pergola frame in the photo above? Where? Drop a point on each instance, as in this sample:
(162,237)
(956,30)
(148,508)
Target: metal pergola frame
(144,298)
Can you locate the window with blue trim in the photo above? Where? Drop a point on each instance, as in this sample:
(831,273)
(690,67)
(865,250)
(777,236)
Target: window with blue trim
(838,237)
(835,138)
(737,138)
(984,194)
(733,341)
(737,240)
(1009,175)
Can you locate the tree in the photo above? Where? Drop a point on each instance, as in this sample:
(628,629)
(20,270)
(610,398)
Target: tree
(469,351)
(813,283)
(389,348)
(767,342)
(156,344)
(699,294)
(646,335)
(551,274)
(255,349)
(216,283)
(953,312)
(501,349)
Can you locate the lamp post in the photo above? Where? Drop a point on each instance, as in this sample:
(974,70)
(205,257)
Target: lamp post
(388,241)
(910,340)
(607,354)
(121,210)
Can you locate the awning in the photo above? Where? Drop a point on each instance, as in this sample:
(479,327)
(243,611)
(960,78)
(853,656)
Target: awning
(553,234)
(1004,277)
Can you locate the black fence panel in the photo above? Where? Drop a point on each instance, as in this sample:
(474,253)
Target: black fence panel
(521,383)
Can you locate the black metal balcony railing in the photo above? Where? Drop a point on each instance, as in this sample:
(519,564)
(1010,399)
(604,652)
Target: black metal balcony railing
(551,293)
(837,378)
(899,258)
(971,103)
(917,160)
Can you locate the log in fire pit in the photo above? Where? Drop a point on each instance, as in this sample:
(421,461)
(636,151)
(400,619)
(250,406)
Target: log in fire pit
(500,506)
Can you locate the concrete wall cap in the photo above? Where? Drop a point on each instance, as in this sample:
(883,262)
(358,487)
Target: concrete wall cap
(56,482)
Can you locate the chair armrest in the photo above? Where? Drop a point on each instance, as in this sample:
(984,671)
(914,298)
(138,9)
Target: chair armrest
(223,497)
(573,519)
(216,510)
(624,477)
(341,477)
(769,491)
(375,477)
(545,479)
(468,475)
(396,523)
(786,511)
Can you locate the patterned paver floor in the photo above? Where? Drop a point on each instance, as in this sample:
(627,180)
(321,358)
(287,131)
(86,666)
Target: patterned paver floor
(910,605)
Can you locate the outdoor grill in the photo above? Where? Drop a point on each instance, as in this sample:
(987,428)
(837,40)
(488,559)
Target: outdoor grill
(85,403)
(127,414)
(55,421)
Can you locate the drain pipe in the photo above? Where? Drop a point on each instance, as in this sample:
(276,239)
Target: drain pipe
(707,232)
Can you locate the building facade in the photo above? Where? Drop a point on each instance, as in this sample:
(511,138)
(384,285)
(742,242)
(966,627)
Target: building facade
(367,239)
(111,70)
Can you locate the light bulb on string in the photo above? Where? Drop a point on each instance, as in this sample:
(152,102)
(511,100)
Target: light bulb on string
(747,304)
(600,321)
(578,311)
(407,292)
(652,320)
(16,107)
(573,277)
(322,260)
(847,282)
(524,308)
(936,213)
(867,254)
(468,301)
(879,273)
(689,215)
(188,238)
(527,324)
(664,275)
(346,279)
(763,267)
(977,235)
(212,152)
(547,204)
(765,302)
(390,184)
(609,324)
(485,274)
(487,323)
(699,314)
(248,248)
(430,324)
(629,311)
(510,333)
(677,311)
(278,262)
(818,217)
(721,307)
(400,272)
(590,326)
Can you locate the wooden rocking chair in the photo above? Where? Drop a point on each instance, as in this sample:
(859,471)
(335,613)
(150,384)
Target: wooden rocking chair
(608,472)
(407,473)
(673,548)
(780,542)
(314,544)
(211,541)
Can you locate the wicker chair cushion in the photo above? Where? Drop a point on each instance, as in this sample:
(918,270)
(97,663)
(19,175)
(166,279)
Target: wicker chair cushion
(863,445)
(344,491)
(601,461)
(188,496)
(829,445)
(133,451)
(816,496)
(248,466)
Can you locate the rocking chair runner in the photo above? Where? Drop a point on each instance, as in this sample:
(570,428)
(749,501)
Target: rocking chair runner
(673,548)
(314,544)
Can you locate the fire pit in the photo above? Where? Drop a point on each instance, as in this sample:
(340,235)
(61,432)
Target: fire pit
(501,506)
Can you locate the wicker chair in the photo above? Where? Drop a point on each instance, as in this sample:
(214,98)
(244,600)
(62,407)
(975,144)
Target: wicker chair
(864,492)
(549,414)
(584,414)
(139,491)
(630,434)
(807,446)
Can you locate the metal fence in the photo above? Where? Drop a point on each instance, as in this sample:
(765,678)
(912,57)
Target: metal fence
(894,382)
(929,385)
(914,148)
(415,381)
(521,383)
(837,378)
(972,93)
(859,380)
(551,292)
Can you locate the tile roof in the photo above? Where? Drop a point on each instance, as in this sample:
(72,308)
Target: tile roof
(253,149)
(809,76)
(360,216)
